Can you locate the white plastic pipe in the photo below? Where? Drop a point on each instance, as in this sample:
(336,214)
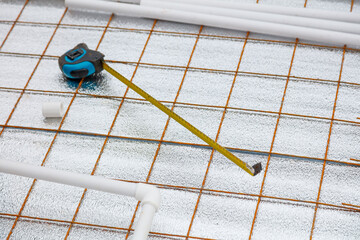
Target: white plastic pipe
(147,194)
(260,16)
(144,223)
(53,110)
(283,30)
(131,1)
(301,12)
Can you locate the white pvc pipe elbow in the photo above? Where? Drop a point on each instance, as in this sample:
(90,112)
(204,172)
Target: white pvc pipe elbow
(147,194)
(150,201)
(53,110)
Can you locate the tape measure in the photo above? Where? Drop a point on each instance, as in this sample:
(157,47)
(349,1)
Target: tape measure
(81,62)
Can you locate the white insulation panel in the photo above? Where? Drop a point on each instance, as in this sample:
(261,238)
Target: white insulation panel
(293,106)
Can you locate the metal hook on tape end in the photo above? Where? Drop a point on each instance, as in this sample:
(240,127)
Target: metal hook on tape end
(257,168)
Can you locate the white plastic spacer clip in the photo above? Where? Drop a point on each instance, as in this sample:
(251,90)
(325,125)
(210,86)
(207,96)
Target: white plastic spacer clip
(53,110)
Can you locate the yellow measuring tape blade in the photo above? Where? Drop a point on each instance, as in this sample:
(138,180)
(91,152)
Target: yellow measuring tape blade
(182,121)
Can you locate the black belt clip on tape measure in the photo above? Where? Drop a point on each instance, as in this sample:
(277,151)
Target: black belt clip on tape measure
(81,62)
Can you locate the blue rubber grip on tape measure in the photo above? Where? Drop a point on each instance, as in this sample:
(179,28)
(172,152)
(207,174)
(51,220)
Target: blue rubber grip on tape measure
(68,69)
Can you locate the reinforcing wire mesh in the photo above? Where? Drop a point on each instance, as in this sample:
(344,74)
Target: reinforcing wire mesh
(290,104)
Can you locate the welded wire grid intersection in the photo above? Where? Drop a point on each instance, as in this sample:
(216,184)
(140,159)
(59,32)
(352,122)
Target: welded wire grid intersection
(292,105)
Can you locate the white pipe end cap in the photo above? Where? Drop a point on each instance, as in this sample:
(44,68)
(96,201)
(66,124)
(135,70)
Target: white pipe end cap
(53,110)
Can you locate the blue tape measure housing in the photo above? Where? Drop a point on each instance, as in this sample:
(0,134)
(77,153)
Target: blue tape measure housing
(81,62)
